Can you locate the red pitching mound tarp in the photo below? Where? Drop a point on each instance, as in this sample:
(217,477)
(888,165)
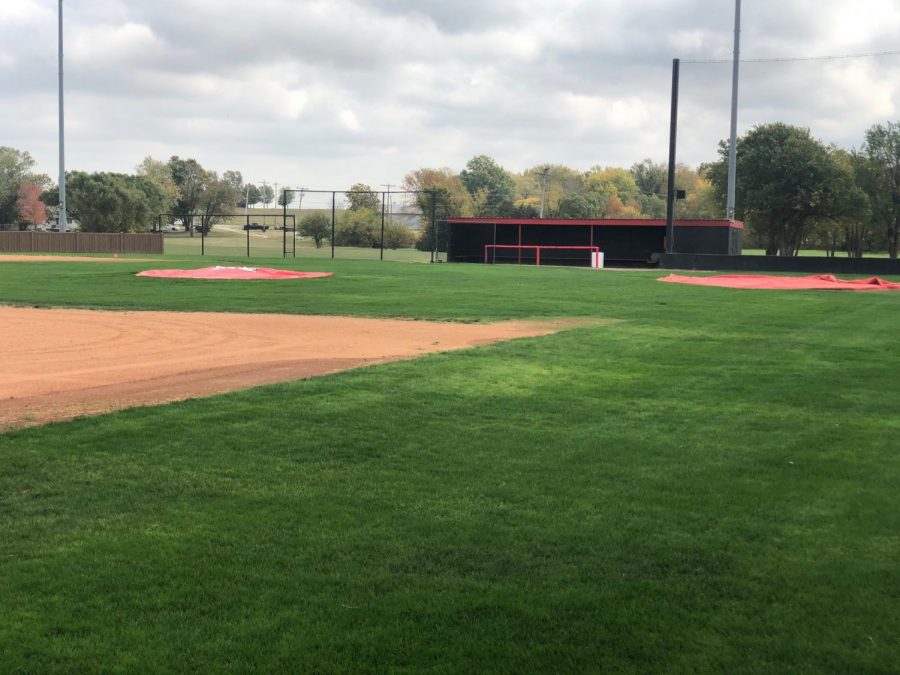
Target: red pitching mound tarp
(762,281)
(242,273)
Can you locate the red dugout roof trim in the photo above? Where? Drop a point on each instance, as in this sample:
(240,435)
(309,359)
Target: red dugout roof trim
(600,222)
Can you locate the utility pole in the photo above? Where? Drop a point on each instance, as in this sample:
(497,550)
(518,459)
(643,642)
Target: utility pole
(544,175)
(390,206)
(62,218)
(732,150)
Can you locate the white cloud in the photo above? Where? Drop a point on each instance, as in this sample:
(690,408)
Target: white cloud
(336,91)
(349,120)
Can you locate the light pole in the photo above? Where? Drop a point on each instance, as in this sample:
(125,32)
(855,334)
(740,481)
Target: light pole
(544,175)
(62,219)
(732,150)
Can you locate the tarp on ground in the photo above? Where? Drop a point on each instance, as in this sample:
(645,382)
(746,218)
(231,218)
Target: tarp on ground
(239,273)
(763,281)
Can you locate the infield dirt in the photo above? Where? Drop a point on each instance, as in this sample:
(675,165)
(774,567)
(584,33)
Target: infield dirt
(63,363)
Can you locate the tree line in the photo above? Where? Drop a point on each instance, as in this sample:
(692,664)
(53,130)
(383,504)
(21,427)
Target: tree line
(793,192)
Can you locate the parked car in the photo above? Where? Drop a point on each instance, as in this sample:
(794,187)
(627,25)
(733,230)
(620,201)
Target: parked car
(256,226)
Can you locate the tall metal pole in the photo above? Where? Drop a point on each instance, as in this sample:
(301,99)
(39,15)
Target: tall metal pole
(732,150)
(544,174)
(62,216)
(333,208)
(383,204)
(247,215)
(673,142)
(434,229)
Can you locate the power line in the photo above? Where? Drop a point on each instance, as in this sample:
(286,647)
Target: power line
(830,57)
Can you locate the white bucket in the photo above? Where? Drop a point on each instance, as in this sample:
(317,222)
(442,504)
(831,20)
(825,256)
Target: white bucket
(597,260)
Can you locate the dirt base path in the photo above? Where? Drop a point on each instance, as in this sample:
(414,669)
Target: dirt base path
(59,363)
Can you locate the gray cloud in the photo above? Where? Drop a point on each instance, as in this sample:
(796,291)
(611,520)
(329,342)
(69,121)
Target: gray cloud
(328,92)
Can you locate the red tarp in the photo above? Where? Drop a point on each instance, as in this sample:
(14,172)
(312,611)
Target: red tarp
(233,273)
(762,281)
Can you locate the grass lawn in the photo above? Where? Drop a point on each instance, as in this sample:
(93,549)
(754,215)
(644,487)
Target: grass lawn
(709,485)
(818,253)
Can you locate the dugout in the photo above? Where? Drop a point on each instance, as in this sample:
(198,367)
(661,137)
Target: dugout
(624,241)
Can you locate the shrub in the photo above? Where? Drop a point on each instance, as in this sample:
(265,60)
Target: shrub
(398,235)
(317,226)
(358,228)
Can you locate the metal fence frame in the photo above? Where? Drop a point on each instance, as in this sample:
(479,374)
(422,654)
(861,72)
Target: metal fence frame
(284,248)
(384,196)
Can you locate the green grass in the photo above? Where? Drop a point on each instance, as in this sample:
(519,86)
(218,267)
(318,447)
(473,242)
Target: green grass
(709,485)
(818,253)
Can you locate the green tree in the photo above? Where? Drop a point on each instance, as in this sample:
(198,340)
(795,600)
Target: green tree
(787,183)
(617,188)
(651,178)
(360,196)
(250,196)
(398,235)
(111,202)
(190,178)
(317,226)
(442,190)
(359,227)
(851,229)
(575,205)
(490,186)
(700,197)
(878,171)
(15,169)
(554,180)
(160,174)
(266,194)
(217,198)
(235,180)
(285,198)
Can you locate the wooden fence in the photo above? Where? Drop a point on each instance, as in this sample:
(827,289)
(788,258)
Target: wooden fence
(79,242)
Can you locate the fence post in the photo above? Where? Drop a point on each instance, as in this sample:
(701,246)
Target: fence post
(383,201)
(434,232)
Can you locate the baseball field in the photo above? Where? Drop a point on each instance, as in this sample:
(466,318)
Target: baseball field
(549,470)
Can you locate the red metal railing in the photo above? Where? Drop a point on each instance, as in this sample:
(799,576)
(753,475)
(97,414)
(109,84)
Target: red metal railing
(538,248)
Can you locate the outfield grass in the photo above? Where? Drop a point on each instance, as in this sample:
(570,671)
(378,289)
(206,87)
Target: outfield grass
(709,485)
(818,253)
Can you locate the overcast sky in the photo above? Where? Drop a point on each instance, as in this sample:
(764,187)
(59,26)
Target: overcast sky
(330,92)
